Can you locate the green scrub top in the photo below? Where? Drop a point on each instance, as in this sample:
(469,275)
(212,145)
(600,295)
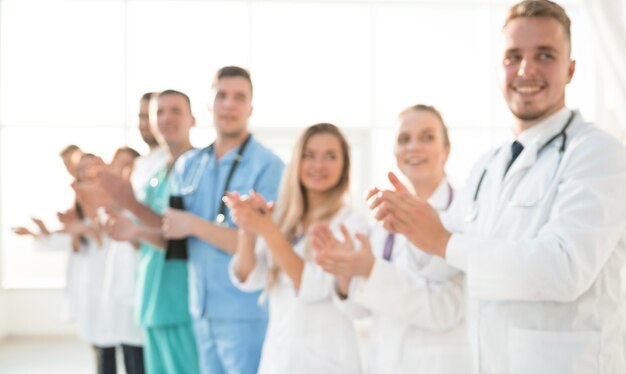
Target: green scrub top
(162,291)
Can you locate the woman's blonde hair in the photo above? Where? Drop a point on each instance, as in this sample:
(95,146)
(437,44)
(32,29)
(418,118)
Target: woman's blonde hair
(291,206)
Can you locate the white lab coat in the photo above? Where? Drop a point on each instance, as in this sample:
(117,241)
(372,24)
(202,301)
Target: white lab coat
(307,333)
(58,241)
(94,321)
(118,290)
(105,316)
(417,304)
(544,287)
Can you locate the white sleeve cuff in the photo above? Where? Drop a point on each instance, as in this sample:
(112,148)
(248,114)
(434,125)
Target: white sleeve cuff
(255,281)
(367,291)
(348,306)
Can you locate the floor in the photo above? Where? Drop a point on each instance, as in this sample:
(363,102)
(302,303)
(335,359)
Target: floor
(66,354)
(49,355)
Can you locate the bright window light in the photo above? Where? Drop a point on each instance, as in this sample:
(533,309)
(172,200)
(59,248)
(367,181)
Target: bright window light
(73,72)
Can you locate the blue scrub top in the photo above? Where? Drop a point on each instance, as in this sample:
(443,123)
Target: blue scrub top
(211,293)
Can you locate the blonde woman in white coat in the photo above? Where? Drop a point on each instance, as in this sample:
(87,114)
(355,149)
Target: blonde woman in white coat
(416,300)
(307,333)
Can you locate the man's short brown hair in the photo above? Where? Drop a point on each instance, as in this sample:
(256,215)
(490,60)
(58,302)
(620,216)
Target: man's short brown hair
(232,72)
(177,93)
(541,8)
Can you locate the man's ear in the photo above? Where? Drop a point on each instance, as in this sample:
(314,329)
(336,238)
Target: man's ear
(571,69)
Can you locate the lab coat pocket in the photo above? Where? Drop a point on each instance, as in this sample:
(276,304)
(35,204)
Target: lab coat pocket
(535,351)
(535,187)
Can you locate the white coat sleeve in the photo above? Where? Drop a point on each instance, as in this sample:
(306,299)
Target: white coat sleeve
(428,304)
(56,241)
(348,306)
(258,277)
(582,230)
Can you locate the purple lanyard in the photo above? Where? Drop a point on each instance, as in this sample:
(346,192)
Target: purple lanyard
(388,248)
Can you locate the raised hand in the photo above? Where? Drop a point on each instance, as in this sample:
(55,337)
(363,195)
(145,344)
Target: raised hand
(42,226)
(120,227)
(23,231)
(67,216)
(348,263)
(399,211)
(252,214)
(322,239)
(117,186)
(177,223)
(92,195)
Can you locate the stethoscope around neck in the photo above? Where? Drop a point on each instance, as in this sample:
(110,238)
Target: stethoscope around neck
(475,209)
(184,189)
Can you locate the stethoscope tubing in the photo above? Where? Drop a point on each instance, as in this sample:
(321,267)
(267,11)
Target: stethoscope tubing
(561,134)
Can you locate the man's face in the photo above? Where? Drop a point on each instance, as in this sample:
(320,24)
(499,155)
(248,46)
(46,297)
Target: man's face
(145,128)
(232,106)
(174,119)
(535,67)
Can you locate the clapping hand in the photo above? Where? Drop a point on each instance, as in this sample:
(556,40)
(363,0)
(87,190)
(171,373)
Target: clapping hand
(251,213)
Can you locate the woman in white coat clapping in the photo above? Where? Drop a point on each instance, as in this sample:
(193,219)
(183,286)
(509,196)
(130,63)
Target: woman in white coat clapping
(307,333)
(416,300)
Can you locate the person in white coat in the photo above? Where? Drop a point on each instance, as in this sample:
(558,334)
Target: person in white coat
(416,300)
(541,237)
(105,309)
(307,333)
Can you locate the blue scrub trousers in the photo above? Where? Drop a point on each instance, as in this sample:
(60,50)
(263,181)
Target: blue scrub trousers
(229,346)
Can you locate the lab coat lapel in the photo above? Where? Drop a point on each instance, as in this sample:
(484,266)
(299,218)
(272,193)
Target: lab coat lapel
(526,159)
(533,140)
(489,199)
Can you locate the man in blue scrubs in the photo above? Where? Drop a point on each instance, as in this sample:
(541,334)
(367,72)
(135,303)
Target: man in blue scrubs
(229,324)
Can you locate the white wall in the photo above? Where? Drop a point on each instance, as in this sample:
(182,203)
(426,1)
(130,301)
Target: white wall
(2,315)
(32,312)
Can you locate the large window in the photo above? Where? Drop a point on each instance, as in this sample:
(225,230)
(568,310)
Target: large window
(72,71)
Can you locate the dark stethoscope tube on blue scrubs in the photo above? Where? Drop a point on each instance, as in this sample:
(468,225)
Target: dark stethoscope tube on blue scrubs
(177,248)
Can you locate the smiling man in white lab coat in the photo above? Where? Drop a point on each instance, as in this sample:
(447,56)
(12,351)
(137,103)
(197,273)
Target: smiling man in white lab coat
(540,227)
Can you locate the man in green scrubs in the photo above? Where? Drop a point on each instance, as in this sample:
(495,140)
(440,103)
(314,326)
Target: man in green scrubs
(162,292)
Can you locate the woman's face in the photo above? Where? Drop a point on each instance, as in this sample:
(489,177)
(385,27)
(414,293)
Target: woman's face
(86,173)
(321,164)
(420,150)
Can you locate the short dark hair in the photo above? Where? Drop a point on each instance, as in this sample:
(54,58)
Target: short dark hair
(149,96)
(541,8)
(134,154)
(232,72)
(68,150)
(177,93)
(430,109)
